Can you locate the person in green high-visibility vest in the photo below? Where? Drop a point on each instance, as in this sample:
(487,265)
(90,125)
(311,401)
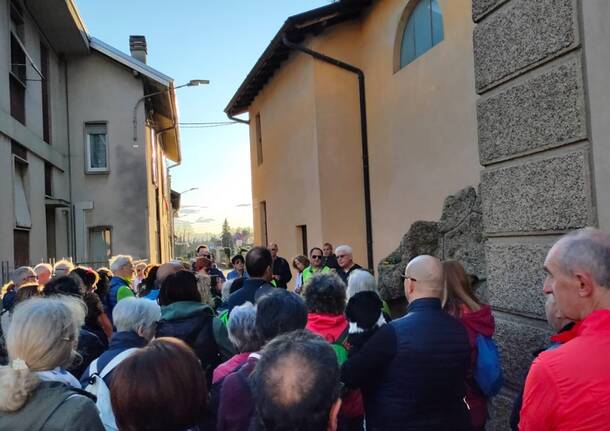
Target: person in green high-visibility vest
(317,265)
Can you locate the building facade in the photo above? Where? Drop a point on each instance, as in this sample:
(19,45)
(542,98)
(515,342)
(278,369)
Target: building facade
(306,134)
(510,98)
(82,150)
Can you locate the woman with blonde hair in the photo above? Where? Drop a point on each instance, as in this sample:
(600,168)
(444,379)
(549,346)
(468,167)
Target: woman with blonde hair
(36,392)
(462,303)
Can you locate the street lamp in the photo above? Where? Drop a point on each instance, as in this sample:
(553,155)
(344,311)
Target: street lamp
(191,83)
(189,190)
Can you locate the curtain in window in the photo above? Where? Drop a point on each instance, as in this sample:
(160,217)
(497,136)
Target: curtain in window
(97,150)
(99,244)
(22,210)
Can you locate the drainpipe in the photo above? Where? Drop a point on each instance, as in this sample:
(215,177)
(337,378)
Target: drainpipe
(239,120)
(363,135)
(72,233)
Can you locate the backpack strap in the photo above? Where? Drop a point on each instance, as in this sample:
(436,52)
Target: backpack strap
(114,362)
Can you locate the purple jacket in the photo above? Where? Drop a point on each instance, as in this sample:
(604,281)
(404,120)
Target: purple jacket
(236,408)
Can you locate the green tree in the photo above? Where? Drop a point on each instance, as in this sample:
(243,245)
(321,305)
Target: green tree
(227,237)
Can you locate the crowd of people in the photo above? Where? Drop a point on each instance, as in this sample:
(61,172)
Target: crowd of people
(179,346)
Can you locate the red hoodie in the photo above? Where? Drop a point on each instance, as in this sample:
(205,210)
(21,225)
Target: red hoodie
(476,322)
(326,325)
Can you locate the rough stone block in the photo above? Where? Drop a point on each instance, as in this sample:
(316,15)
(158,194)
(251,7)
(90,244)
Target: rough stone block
(545,111)
(422,238)
(518,341)
(521,35)
(515,276)
(500,408)
(551,194)
(481,7)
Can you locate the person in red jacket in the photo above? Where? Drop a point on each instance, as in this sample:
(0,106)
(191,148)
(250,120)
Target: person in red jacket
(568,388)
(462,303)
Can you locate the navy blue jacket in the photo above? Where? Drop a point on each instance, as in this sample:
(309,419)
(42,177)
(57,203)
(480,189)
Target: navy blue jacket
(252,290)
(119,342)
(413,371)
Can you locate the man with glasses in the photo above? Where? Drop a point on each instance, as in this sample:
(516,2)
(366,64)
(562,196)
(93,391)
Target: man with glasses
(281,269)
(412,371)
(317,264)
(345,260)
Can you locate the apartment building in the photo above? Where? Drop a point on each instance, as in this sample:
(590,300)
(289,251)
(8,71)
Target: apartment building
(86,132)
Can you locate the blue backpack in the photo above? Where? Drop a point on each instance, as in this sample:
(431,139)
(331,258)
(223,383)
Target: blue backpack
(487,371)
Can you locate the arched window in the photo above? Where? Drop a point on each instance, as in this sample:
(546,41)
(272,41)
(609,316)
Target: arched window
(424,29)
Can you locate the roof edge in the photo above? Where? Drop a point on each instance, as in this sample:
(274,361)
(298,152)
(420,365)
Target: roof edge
(299,24)
(127,60)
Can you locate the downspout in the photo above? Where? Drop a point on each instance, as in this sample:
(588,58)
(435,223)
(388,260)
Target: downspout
(363,135)
(239,120)
(72,232)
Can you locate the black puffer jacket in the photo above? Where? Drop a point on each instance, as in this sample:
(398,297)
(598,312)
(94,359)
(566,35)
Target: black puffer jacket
(195,324)
(413,371)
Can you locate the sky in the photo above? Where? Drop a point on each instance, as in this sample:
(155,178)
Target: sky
(217,40)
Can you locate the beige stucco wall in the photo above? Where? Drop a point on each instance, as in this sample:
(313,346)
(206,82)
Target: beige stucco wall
(288,179)
(422,121)
(422,133)
(103,91)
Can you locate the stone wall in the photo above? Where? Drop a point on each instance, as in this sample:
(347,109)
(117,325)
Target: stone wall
(535,149)
(458,235)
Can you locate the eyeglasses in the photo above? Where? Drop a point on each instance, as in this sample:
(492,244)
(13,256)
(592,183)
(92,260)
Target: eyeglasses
(316,256)
(341,256)
(207,256)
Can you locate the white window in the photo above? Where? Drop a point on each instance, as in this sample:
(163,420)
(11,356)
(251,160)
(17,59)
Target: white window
(22,209)
(96,148)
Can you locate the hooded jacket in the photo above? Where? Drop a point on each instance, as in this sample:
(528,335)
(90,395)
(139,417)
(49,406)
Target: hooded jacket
(195,324)
(118,289)
(476,322)
(328,326)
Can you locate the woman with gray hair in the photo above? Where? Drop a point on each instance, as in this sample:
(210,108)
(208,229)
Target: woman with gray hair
(243,335)
(35,390)
(358,281)
(135,320)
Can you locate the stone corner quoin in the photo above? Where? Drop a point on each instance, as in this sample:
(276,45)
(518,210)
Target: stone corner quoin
(520,36)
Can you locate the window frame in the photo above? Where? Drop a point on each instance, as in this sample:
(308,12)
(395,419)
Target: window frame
(400,31)
(87,158)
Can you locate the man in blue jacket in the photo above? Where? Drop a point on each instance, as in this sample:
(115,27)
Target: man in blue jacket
(413,370)
(258,265)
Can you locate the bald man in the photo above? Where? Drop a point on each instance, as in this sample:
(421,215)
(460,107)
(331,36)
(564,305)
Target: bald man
(412,372)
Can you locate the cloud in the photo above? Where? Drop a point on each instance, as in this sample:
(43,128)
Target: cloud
(186,212)
(243,205)
(204,220)
(192,206)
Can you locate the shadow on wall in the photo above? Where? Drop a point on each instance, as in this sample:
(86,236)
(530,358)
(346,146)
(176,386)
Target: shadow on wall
(458,235)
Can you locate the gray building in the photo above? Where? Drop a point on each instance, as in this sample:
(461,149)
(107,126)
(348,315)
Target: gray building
(85,135)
